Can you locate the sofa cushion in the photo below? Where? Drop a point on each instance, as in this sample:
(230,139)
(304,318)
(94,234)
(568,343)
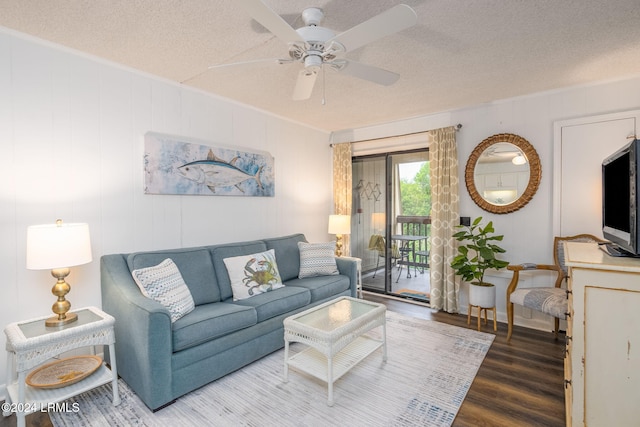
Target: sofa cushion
(195,265)
(287,254)
(210,321)
(254,274)
(317,259)
(322,287)
(277,302)
(164,283)
(220,252)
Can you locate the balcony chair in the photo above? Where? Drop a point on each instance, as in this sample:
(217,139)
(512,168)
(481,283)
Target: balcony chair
(378,243)
(549,300)
(413,252)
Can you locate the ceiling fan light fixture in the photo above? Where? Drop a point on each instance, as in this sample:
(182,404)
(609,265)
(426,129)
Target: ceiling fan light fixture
(313,62)
(519,160)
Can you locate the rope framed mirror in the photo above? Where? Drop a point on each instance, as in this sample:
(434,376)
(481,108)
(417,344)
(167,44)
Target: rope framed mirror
(503,173)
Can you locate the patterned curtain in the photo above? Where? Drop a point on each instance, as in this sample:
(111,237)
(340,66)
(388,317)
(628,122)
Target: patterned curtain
(445,215)
(342,184)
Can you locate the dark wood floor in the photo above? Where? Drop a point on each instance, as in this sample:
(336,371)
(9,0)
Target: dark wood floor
(519,384)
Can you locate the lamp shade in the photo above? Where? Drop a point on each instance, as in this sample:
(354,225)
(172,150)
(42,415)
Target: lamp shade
(339,224)
(58,245)
(378,218)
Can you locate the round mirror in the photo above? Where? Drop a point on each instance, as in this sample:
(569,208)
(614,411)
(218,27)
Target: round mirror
(503,173)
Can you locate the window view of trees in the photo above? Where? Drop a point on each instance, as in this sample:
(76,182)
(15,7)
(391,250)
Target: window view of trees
(416,193)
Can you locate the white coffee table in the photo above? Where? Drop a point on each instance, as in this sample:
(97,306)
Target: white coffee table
(335,335)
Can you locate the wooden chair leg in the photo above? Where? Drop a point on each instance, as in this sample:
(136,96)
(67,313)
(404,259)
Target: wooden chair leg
(509,320)
(557,326)
(495,322)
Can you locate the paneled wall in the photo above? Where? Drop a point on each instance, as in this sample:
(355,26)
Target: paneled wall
(71,139)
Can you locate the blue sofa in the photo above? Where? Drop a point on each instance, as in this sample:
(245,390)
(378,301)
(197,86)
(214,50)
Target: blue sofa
(162,361)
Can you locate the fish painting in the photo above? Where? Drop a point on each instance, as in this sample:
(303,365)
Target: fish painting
(188,166)
(215,172)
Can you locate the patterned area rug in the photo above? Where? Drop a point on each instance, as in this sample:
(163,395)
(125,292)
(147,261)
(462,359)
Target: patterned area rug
(429,370)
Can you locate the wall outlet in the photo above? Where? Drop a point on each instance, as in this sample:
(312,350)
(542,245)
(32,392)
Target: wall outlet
(465,220)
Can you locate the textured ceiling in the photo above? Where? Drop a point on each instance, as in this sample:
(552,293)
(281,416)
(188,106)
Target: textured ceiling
(460,53)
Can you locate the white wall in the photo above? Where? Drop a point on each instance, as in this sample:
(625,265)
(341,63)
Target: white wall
(529,231)
(71,138)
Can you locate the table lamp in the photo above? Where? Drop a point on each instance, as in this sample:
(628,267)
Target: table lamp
(57,247)
(339,225)
(378,221)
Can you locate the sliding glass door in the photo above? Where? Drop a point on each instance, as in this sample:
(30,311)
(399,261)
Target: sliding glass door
(391,207)
(368,229)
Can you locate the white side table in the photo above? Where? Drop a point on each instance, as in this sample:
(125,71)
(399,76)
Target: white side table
(359,267)
(30,343)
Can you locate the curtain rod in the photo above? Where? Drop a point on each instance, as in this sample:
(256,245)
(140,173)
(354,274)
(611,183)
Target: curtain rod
(457,127)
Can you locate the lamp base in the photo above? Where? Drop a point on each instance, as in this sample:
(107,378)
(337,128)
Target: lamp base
(61,306)
(338,245)
(55,322)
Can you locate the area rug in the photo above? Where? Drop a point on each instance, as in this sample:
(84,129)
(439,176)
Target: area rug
(429,370)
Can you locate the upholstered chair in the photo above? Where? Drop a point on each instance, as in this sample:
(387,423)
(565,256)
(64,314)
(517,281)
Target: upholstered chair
(551,300)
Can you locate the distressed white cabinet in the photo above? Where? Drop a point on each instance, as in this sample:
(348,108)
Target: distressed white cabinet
(602,364)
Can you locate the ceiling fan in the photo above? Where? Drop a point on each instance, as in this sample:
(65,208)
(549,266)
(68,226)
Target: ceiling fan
(315,46)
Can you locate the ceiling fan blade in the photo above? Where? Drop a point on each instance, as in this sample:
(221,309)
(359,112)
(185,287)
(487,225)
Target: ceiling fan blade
(255,63)
(252,63)
(304,85)
(393,20)
(365,72)
(271,21)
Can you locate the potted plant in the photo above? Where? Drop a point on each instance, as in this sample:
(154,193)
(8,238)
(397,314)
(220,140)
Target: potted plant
(475,257)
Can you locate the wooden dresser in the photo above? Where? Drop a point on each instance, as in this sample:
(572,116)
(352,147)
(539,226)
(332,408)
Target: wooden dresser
(602,361)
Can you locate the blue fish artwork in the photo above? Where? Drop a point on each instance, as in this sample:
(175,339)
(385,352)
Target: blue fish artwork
(215,172)
(175,165)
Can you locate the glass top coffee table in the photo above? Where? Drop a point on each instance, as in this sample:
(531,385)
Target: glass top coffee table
(334,333)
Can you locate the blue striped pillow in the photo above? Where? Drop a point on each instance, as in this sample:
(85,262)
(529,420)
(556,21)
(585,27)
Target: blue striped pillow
(164,283)
(317,259)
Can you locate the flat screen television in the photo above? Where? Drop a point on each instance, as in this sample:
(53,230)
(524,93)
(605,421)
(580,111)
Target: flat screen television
(620,185)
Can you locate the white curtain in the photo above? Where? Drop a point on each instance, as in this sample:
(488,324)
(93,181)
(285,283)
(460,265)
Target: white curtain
(445,215)
(342,185)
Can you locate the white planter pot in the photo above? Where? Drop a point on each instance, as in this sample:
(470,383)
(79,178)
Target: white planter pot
(482,296)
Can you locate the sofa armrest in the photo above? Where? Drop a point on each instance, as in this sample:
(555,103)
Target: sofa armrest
(143,333)
(349,268)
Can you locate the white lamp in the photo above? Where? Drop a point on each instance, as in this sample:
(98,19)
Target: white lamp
(378,220)
(57,247)
(339,225)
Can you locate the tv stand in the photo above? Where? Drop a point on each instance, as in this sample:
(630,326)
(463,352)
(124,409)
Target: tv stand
(602,372)
(614,250)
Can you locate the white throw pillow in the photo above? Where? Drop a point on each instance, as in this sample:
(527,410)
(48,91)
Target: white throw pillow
(253,274)
(164,283)
(317,259)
